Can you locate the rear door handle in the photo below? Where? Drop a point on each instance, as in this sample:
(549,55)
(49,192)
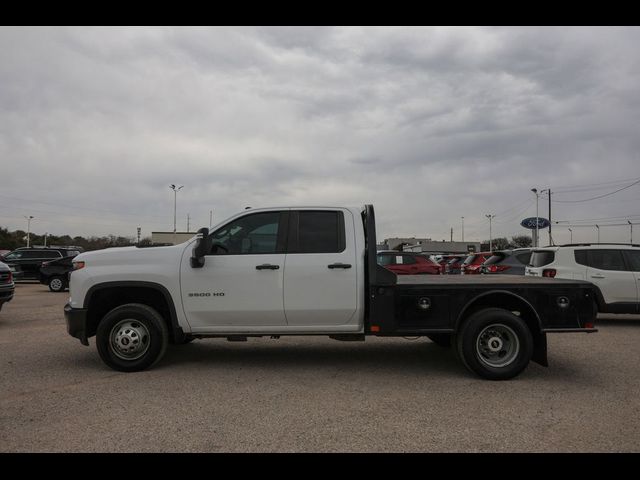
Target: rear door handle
(339,265)
(267,266)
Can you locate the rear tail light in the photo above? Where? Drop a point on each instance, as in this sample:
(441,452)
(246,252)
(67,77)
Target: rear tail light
(497,268)
(549,272)
(10,277)
(78,265)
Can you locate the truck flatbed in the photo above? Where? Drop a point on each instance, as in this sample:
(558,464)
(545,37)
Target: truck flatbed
(475,280)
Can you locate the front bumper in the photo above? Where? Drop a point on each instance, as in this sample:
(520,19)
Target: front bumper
(76,323)
(6,292)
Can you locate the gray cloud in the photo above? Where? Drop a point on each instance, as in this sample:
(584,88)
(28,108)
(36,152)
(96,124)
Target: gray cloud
(429,124)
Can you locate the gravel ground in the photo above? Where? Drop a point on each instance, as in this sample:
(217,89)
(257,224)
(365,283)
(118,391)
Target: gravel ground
(307,394)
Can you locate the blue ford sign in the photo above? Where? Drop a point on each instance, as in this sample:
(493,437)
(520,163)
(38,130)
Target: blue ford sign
(530,223)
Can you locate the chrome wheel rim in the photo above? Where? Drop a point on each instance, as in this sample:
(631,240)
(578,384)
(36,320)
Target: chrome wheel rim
(129,339)
(497,346)
(56,284)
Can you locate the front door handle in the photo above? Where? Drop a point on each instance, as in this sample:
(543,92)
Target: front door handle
(339,265)
(267,266)
(597,276)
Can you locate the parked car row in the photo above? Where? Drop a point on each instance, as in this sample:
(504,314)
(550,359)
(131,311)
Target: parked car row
(49,265)
(614,269)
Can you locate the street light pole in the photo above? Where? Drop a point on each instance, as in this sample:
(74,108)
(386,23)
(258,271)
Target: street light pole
(28,228)
(571,233)
(175,201)
(535,190)
(598,227)
(490,236)
(462,229)
(631,225)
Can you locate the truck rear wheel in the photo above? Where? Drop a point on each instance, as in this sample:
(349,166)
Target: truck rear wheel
(495,344)
(132,337)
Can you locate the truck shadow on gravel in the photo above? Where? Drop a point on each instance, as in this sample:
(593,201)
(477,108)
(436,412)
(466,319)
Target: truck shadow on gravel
(415,357)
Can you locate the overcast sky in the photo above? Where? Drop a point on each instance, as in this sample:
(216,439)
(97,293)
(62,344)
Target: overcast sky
(428,124)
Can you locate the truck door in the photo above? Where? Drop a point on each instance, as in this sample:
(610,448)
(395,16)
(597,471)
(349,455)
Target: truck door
(241,283)
(320,278)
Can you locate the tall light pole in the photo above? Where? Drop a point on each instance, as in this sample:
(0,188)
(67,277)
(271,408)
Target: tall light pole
(462,228)
(490,236)
(175,200)
(570,233)
(598,228)
(631,225)
(28,228)
(535,190)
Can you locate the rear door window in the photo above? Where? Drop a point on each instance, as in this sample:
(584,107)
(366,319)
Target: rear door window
(317,232)
(633,259)
(386,260)
(581,257)
(542,258)
(523,258)
(407,260)
(49,254)
(606,260)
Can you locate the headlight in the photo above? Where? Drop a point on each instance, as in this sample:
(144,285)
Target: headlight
(77,265)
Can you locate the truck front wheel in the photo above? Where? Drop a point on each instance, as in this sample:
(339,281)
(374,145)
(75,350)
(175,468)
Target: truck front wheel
(495,344)
(132,337)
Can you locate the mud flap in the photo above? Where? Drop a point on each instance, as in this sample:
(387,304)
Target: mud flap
(540,349)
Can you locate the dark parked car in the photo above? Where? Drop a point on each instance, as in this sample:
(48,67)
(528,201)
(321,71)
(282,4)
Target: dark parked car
(7,286)
(407,263)
(509,262)
(26,261)
(473,262)
(55,273)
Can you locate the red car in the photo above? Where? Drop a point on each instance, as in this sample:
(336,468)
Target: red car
(473,262)
(407,263)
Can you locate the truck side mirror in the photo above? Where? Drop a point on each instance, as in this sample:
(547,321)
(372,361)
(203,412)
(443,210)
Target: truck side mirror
(201,248)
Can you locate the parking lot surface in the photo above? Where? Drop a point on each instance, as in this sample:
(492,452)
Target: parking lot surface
(308,394)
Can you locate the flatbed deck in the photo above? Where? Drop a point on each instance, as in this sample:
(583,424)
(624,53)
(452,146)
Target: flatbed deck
(480,280)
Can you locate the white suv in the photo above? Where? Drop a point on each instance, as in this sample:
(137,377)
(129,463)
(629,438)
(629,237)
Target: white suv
(613,268)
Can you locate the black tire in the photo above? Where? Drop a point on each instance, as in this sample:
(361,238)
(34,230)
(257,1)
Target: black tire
(495,344)
(57,284)
(440,339)
(122,328)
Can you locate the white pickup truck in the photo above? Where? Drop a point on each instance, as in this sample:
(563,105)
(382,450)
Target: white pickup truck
(309,271)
